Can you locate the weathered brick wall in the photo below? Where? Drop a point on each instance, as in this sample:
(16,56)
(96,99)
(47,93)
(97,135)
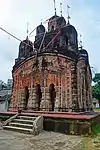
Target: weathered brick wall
(89,93)
(84,85)
(46,69)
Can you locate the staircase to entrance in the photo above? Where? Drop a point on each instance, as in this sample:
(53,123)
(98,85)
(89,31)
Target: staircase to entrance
(24,124)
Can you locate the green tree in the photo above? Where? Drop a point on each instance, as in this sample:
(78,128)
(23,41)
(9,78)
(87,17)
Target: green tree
(96,87)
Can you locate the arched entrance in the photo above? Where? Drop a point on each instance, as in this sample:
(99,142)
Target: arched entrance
(52,95)
(38,95)
(26,97)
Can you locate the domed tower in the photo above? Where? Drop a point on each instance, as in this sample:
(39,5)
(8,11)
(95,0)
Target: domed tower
(52,23)
(68,33)
(72,35)
(25,48)
(56,22)
(84,54)
(40,30)
(61,22)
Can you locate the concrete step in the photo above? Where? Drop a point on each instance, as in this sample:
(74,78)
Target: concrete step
(26,117)
(21,125)
(25,124)
(18,129)
(23,121)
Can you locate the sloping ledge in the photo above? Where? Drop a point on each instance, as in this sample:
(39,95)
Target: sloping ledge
(38,125)
(10,119)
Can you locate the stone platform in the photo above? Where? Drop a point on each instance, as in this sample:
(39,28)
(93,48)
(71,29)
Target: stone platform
(64,122)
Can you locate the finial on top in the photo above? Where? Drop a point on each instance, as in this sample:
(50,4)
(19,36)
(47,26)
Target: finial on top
(68,17)
(41,21)
(55,7)
(61,9)
(80,42)
(27,29)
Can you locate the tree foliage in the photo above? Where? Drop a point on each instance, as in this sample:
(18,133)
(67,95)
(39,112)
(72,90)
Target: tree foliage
(96,86)
(96,79)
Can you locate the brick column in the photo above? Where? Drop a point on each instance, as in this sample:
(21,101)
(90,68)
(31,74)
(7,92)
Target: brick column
(21,99)
(79,87)
(89,90)
(45,101)
(75,106)
(85,105)
(57,99)
(32,104)
(59,84)
(68,88)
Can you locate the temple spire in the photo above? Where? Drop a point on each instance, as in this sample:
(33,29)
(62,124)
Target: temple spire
(55,7)
(68,16)
(61,9)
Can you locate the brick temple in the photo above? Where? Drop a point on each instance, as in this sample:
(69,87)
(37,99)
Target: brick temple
(52,74)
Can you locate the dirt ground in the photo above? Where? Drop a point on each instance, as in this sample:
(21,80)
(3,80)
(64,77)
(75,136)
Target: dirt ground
(10,140)
(45,141)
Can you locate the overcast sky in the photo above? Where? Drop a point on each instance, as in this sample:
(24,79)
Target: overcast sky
(14,15)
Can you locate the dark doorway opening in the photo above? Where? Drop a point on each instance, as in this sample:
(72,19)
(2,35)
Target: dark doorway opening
(38,95)
(52,95)
(52,28)
(66,39)
(26,97)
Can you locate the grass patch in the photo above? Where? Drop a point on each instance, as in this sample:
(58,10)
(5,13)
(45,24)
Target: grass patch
(92,142)
(97,109)
(96,129)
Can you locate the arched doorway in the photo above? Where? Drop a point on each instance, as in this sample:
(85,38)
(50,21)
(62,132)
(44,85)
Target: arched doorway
(26,97)
(52,95)
(38,95)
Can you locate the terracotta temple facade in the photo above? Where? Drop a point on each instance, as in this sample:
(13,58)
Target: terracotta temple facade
(52,74)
